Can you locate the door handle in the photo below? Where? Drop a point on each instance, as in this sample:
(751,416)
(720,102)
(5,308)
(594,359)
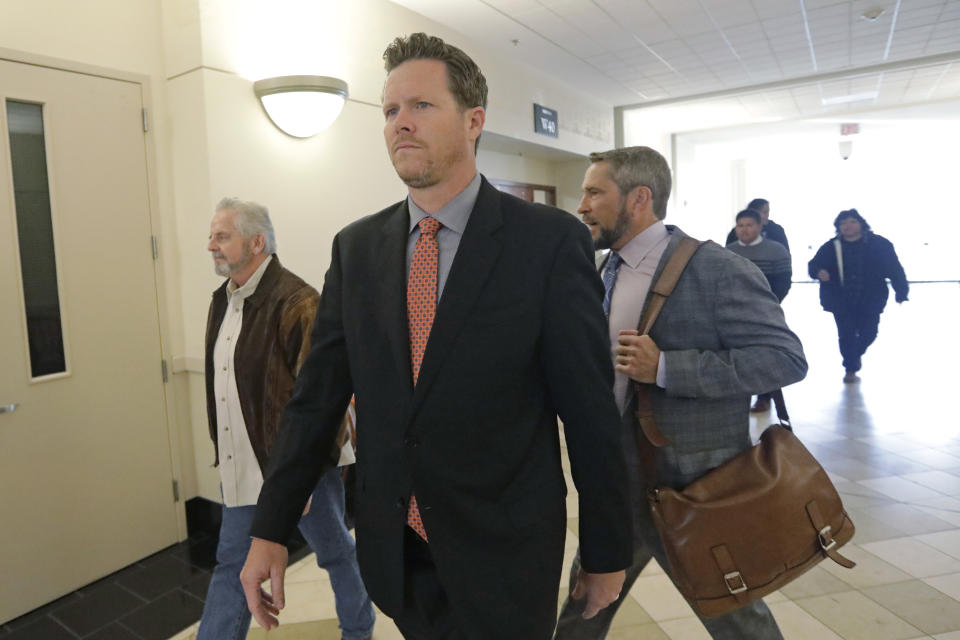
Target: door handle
(8,408)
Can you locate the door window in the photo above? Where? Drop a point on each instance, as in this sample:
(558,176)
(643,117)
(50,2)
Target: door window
(38,265)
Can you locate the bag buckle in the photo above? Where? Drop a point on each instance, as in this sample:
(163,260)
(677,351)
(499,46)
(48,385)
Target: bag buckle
(826,540)
(735,582)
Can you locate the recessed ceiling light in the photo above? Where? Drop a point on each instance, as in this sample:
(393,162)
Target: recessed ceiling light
(854,97)
(871,15)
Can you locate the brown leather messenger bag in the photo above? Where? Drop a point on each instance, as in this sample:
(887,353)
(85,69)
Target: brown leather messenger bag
(753,524)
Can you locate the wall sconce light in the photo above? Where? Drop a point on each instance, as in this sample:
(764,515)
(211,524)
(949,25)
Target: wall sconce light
(301,106)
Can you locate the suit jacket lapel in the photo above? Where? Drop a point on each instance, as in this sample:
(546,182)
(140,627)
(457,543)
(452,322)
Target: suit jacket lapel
(391,277)
(478,252)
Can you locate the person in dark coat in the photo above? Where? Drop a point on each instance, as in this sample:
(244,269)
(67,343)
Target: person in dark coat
(853,269)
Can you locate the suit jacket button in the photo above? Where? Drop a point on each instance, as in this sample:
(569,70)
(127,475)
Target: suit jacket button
(401,504)
(411,442)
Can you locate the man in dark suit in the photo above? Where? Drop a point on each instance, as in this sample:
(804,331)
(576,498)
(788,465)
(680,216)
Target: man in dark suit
(768,228)
(720,337)
(465,321)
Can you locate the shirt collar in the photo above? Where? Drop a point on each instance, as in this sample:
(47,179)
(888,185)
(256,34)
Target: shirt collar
(250,285)
(454,214)
(643,243)
(752,244)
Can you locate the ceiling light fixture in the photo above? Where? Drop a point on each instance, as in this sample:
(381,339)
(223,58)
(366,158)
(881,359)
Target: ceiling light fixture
(854,97)
(301,106)
(871,15)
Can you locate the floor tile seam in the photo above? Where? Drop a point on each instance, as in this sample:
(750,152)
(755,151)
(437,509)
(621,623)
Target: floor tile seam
(163,594)
(144,604)
(885,584)
(888,584)
(799,603)
(68,629)
(860,482)
(187,563)
(7,626)
(924,580)
(141,608)
(116,621)
(917,539)
(127,628)
(132,592)
(939,575)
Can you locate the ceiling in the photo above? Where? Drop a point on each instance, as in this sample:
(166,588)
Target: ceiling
(753,60)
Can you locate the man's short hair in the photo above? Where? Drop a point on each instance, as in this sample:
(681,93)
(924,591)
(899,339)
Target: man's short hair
(757,204)
(252,219)
(851,213)
(464,78)
(632,167)
(749,213)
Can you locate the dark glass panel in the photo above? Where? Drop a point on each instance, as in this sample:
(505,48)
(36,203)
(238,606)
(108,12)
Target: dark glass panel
(35,235)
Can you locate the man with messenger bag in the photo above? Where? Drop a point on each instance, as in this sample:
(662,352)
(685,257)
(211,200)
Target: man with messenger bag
(720,337)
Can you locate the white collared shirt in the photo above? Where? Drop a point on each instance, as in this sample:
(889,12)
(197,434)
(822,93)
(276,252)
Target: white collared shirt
(640,259)
(240,476)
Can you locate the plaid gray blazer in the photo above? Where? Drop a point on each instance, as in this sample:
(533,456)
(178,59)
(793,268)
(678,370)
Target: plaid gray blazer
(724,337)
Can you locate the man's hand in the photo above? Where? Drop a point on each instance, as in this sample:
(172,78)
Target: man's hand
(823,275)
(601,589)
(637,356)
(265,560)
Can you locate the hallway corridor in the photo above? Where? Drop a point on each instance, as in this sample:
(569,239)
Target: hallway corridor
(891,444)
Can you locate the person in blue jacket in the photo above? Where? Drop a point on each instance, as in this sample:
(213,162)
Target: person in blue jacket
(853,269)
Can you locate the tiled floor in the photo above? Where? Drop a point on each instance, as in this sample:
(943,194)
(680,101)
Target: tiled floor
(891,444)
(149,600)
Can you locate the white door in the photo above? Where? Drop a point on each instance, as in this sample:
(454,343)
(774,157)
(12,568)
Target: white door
(85,462)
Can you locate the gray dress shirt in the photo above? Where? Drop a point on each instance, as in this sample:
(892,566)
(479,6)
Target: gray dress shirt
(453,216)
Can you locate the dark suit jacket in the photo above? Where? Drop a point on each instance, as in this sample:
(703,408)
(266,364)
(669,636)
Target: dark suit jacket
(519,337)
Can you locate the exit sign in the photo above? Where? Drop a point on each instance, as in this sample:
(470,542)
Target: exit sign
(545,121)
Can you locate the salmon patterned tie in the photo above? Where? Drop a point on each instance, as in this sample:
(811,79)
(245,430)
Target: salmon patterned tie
(421,306)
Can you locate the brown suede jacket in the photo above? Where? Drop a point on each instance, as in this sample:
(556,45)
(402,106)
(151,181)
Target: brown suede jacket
(274,339)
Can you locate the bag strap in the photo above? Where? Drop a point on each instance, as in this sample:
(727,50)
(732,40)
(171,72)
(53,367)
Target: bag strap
(782,416)
(659,292)
(825,536)
(665,284)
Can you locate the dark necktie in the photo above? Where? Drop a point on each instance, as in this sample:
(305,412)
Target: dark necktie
(421,306)
(609,277)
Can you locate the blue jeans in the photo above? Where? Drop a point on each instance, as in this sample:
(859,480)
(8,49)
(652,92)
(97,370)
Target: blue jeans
(225,613)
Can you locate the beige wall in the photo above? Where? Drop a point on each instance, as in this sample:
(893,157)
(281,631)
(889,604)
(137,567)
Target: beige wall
(209,138)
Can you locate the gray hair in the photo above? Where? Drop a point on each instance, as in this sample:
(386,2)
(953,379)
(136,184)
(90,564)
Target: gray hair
(632,167)
(252,219)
